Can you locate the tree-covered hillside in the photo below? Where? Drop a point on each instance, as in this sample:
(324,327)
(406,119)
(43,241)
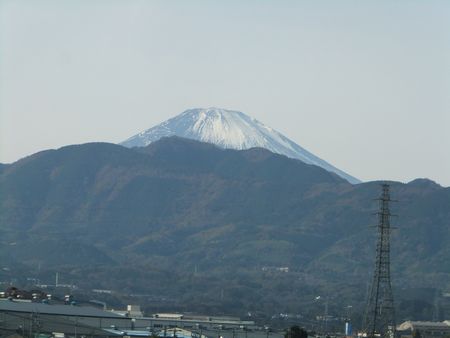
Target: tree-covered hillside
(195,227)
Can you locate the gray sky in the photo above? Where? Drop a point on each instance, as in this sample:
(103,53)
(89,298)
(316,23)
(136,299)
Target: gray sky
(364,85)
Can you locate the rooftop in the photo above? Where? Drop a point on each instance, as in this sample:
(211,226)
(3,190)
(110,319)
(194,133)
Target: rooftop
(63,310)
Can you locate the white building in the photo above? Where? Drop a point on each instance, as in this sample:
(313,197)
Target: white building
(426,329)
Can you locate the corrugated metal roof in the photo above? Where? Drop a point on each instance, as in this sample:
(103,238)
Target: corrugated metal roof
(408,325)
(64,310)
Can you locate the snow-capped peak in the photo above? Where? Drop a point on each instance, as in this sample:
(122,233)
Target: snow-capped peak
(229,129)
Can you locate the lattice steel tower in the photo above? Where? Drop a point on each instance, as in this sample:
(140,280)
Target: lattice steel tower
(380,315)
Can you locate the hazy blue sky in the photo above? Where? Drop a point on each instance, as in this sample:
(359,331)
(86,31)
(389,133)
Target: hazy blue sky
(363,84)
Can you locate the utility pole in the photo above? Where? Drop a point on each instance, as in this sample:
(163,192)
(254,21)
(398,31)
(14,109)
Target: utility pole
(380,314)
(436,313)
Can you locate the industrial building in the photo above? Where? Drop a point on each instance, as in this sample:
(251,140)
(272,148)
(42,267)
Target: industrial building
(36,319)
(27,318)
(426,329)
(167,320)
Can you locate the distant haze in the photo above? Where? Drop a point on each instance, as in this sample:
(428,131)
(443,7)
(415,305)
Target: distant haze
(363,85)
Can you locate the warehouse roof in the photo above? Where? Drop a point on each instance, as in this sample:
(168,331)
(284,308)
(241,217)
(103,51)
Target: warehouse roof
(55,309)
(411,325)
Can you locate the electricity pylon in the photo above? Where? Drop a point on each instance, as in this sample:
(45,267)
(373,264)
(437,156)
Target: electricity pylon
(380,315)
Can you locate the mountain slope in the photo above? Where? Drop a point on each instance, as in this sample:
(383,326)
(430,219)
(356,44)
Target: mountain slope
(229,129)
(181,219)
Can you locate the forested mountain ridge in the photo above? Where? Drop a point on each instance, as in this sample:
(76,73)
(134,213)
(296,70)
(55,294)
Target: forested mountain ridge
(186,220)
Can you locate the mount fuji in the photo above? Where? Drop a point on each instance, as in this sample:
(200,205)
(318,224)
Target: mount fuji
(232,130)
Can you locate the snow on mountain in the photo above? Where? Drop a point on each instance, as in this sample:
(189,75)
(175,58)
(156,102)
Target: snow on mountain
(229,129)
